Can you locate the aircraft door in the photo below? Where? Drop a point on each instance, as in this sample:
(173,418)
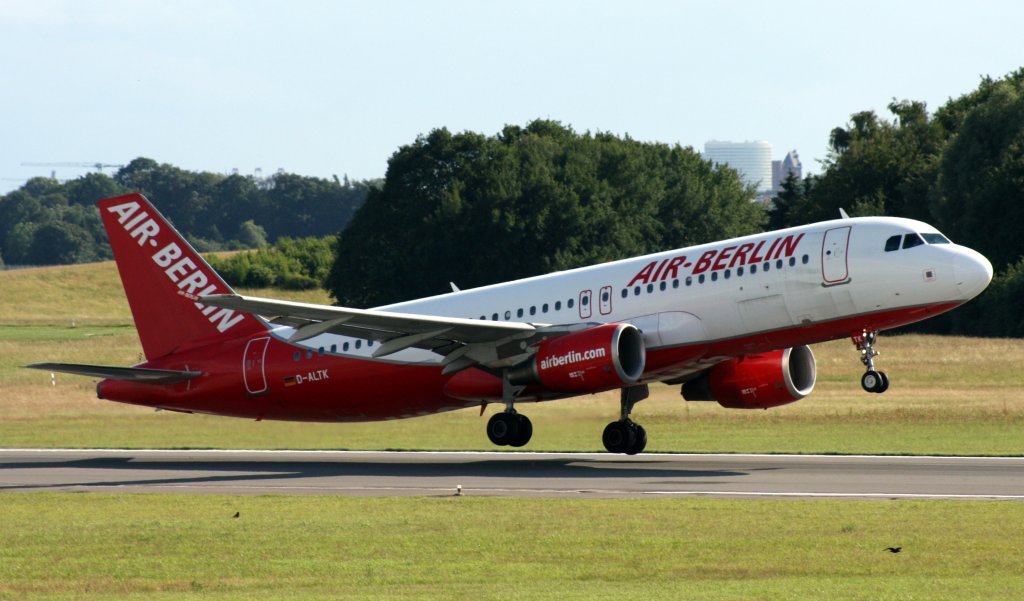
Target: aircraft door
(834,269)
(606,300)
(585,309)
(253,371)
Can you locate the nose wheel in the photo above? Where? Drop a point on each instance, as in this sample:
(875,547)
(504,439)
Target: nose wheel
(872,380)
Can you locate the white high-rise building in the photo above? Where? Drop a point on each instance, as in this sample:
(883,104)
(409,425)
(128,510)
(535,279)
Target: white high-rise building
(753,160)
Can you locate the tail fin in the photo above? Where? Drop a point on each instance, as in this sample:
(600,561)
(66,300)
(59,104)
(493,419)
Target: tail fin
(163,277)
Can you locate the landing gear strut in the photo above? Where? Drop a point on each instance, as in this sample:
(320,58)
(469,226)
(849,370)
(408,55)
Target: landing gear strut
(625,435)
(871,381)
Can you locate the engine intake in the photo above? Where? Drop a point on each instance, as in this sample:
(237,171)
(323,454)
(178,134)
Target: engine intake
(756,381)
(598,358)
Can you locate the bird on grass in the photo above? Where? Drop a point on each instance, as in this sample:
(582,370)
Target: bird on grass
(237,514)
(894,549)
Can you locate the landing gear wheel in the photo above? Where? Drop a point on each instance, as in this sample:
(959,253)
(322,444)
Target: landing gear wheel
(620,436)
(885,382)
(874,381)
(641,440)
(525,431)
(503,429)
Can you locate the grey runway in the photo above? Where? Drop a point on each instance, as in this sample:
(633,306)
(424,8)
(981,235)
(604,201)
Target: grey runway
(564,475)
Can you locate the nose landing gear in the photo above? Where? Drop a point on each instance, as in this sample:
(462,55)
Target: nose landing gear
(871,381)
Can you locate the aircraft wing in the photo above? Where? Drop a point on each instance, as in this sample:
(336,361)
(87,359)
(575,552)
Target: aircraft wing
(463,342)
(132,374)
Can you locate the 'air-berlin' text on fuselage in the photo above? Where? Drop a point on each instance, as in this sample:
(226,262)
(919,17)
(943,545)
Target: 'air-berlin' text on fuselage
(191,281)
(719,258)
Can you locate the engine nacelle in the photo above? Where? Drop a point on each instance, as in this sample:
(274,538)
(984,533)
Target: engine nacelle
(598,358)
(756,381)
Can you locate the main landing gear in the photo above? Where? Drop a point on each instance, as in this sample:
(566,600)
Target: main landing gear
(625,435)
(871,381)
(509,428)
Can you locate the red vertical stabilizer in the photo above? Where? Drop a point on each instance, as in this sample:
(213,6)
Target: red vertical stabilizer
(163,277)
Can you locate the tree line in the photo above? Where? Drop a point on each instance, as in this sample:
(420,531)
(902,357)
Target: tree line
(960,168)
(47,222)
(475,210)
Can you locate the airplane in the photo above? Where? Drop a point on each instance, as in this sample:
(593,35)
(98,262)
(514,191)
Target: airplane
(729,321)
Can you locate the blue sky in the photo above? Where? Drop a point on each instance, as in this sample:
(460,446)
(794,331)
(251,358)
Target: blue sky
(322,88)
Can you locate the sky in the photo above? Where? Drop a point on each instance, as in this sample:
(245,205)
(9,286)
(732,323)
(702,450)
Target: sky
(326,88)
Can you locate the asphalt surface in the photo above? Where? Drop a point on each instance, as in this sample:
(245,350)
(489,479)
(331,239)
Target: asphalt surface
(564,475)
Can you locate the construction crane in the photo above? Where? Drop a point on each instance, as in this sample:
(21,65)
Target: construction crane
(97,166)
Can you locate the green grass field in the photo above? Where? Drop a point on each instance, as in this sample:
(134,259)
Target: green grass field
(949,396)
(100,546)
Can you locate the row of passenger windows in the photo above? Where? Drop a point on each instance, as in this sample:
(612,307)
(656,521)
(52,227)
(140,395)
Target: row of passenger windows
(569,304)
(912,240)
(663,285)
(334,349)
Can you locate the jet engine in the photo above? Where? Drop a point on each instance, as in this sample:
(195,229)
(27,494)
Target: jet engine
(598,358)
(756,381)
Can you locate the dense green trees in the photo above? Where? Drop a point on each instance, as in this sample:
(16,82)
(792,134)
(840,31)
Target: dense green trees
(293,263)
(476,210)
(46,222)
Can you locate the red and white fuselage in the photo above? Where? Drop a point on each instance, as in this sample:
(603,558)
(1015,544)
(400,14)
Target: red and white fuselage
(534,339)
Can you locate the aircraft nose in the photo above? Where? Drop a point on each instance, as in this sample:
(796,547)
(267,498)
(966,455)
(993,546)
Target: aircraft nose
(972,271)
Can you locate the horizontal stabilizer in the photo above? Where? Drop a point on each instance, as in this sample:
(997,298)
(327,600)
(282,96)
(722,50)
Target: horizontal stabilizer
(132,374)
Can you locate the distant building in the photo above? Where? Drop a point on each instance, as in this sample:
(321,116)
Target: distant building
(753,160)
(781,169)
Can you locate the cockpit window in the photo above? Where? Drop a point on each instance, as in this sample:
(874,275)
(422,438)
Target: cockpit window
(912,240)
(935,239)
(893,243)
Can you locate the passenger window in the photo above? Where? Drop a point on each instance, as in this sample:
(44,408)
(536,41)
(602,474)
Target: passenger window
(675,283)
(604,296)
(912,240)
(533,310)
(753,268)
(359,343)
(893,243)
(544,307)
(558,306)
(728,272)
(344,347)
(778,264)
(508,315)
(792,261)
(739,271)
(569,303)
(806,259)
(585,301)
(625,293)
(767,266)
(309,354)
(689,280)
(701,278)
(663,285)
(334,348)
(298,355)
(714,276)
(519,313)
(650,288)
(636,290)
(494,316)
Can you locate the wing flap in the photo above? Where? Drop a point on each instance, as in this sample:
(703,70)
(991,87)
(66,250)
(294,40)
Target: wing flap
(142,375)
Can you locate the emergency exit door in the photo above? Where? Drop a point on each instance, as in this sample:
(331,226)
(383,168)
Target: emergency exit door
(253,365)
(834,266)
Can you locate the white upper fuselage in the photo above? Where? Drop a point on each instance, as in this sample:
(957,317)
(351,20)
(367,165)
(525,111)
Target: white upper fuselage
(724,290)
